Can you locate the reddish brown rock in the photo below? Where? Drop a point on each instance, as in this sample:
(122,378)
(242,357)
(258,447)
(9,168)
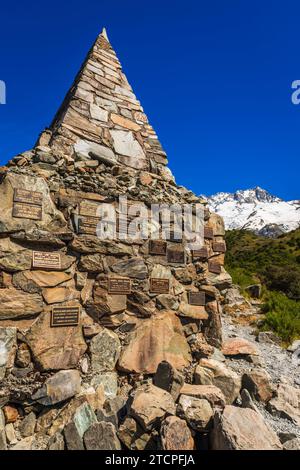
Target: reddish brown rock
(239,347)
(155,339)
(175,434)
(11,414)
(55,348)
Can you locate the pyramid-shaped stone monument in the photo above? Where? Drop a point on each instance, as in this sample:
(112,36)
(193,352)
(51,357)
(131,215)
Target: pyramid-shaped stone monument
(93,299)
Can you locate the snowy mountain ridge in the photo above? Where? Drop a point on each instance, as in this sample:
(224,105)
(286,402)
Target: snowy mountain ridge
(256,210)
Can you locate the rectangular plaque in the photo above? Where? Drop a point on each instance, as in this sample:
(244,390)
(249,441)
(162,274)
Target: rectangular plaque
(88,208)
(219,246)
(2,286)
(196,298)
(157,247)
(46,260)
(88,225)
(201,253)
(27,211)
(159,286)
(65,316)
(28,197)
(176,256)
(214,267)
(119,286)
(208,233)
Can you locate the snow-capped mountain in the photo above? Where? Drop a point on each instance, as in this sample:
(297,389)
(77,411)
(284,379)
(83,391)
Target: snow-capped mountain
(256,210)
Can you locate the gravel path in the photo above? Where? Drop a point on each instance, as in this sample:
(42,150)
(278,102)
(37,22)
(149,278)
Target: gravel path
(275,360)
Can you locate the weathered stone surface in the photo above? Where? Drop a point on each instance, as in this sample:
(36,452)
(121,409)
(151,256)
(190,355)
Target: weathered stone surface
(125,144)
(52,221)
(293,444)
(28,424)
(258,384)
(154,340)
(105,350)
(101,436)
(87,149)
(56,295)
(175,434)
(98,113)
(242,429)
(87,244)
(3,443)
(134,437)
(109,381)
(134,268)
(60,387)
(10,434)
(24,444)
(8,346)
(16,304)
(55,348)
(169,379)
(56,442)
(11,414)
(123,122)
(23,357)
(192,311)
(208,392)
(197,412)
(286,403)
(74,431)
(211,372)
(239,347)
(91,263)
(40,279)
(150,405)
(14,257)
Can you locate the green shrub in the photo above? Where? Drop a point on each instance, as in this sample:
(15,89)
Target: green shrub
(282,316)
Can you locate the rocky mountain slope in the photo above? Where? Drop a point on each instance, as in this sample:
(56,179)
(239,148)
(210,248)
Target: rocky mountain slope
(256,210)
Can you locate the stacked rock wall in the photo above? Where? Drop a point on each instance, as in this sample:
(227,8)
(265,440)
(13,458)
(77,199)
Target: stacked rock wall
(81,315)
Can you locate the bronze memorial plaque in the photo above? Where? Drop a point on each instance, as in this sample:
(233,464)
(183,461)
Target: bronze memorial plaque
(208,233)
(88,225)
(65,316)
(46,260)
(201,253)
(157,247)
(27,211)
(196,298)
(28,197)
(219,246)
(2,286)
(88,208)
(159,286)
(176,256)
(119,286)
(214,267)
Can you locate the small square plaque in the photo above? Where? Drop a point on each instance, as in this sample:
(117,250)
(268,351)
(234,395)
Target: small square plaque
(208,233)
(65,316)
(202,253)
(46,260)
(176,256)
(196,298)
(27,211)
(157,247)
(219,246)
(159,286)
(214,267)
(119,286)
(28,197)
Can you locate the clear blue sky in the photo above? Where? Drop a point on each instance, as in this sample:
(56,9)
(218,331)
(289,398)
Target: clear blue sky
(213,76)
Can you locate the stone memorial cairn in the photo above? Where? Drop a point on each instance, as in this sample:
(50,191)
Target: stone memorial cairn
(100,338)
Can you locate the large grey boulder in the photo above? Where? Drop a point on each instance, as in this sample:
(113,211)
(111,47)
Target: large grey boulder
(63,385)
(242,429)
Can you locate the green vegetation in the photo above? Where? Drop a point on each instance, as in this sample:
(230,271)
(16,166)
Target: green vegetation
(275,263)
